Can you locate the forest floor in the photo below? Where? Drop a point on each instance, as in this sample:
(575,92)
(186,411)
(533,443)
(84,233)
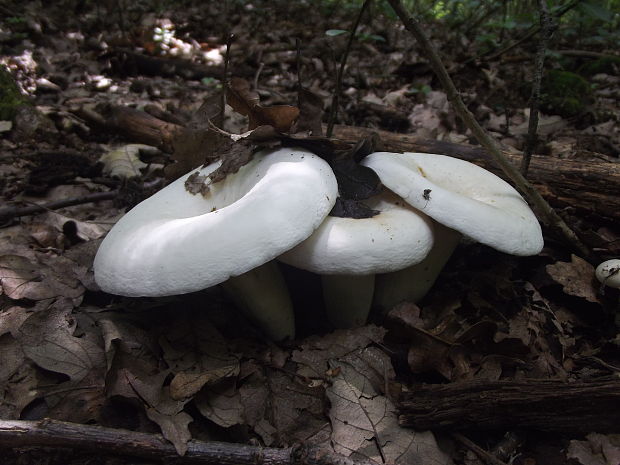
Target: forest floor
(191,367)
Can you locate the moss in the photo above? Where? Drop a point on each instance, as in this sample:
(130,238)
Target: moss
(10,96)
(607,65)
(565,93)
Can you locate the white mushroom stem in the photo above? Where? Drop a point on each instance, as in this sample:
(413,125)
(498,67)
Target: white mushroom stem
(412,283)
(348,298)
(262,295)
(348,252)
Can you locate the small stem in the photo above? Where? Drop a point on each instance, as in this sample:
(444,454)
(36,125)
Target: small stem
(548,27)
(220,121)
(348,298)
(334,108)
(263,296)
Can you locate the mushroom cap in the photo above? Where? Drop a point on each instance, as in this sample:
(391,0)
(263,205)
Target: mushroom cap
(175,242)
(608,273)
(462,196)
(397,237)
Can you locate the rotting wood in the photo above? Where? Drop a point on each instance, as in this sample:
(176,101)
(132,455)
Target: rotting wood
(588,186)
(544,405)
(52,433)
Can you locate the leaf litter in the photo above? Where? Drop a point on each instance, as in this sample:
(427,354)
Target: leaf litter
(71,352)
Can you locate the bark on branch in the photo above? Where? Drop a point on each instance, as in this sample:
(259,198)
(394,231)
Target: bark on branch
(52,433)
(544,405)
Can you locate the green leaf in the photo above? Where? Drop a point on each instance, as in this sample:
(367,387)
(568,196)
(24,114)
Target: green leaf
(335,32)
(596,11)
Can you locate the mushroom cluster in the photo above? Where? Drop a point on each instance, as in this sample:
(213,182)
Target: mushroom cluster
(277,206)
(176,242)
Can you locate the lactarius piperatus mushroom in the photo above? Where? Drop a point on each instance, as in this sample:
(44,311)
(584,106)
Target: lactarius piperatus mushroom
(176,242)
(348,252)
(465,199)
(608,273)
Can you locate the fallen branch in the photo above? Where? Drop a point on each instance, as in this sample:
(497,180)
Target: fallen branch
(14,211)
(544,405)
(479,451)
(52,433)
(484,138)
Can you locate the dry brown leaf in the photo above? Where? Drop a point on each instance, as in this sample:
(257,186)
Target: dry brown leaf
(124,161)
(316,351)
(246,102)
(18,379)
(221,404)
(159,406)
(22,279)
(599,449)
(47,339)
(576,278)
(197,355)
(365,423)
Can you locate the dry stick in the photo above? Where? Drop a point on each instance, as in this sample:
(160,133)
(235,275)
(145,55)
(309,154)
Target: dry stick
(548,26)
(13,211)
(479,451)
(334,108)
(220,122)
(52,433)
(8,213)
(553,219)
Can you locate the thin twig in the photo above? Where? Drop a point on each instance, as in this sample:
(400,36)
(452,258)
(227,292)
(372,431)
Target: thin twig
(334,108)
(530,192)
(298,61)
(548,27)
(220,121)
(52,433)
(13,211)
(530,33)
(479,451)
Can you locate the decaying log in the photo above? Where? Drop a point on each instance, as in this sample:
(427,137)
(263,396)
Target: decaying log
(52,433)
(590,186)
(544,405)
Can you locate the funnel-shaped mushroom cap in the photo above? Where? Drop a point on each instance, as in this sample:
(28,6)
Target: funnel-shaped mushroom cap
(397,237)
(462,196)
(176,242)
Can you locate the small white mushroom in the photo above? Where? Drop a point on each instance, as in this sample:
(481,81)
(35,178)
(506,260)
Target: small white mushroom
(608,273)
(463,197)
(348,252)
(176,242)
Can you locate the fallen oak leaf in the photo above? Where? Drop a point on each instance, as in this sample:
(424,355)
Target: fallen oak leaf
(247,102)
(576,278)
(310,113)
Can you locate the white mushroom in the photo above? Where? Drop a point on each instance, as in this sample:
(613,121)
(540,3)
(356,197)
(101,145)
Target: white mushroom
(463,197)
(176,242)
(348,252)
(608,273)
(413,283)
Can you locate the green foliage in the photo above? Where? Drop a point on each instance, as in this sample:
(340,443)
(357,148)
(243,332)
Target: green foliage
(564,93)
(10,96)
(607,65)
